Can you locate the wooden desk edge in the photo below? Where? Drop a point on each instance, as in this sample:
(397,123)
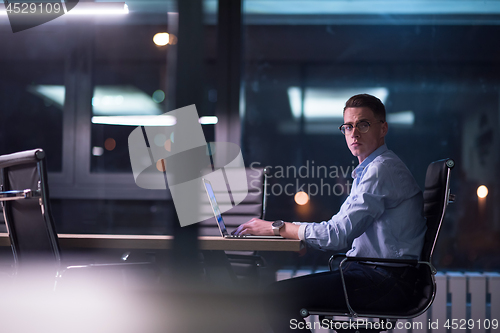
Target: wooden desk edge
(158,242)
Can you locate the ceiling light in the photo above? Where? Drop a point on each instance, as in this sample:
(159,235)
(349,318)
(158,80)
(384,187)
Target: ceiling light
(321,7)
(123,100)
(208,120)
(161,120)
(482,191)
(401,118)
(323,103)
(301,198)
(161,38)
(99,8)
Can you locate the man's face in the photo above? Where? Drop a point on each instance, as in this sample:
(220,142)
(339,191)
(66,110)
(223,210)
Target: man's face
(363,144)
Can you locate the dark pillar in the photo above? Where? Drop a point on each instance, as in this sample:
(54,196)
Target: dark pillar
(188,90)
(229,69)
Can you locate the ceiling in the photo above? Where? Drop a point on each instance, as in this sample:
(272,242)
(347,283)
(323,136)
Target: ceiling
(313,12)
(317,12)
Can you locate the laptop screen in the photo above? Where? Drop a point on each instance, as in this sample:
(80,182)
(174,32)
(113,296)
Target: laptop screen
(215,207)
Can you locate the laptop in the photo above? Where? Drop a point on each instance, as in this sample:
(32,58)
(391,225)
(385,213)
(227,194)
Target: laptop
(220,220)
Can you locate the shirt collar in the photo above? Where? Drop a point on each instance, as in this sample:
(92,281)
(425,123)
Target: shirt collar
(359,169)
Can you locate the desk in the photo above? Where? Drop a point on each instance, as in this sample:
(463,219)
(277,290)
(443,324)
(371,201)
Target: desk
(155,242)
(213,247)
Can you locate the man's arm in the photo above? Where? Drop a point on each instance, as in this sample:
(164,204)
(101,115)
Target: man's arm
(366,203)
(356,214)
(263,228)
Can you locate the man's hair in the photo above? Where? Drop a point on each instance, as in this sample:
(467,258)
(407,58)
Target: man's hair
(368,101)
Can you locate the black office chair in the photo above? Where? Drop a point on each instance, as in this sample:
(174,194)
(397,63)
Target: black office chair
(25,200)
(436,198)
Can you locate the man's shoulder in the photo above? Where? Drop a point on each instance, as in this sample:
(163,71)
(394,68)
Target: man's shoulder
(389,164)
(388,160)
(393,174)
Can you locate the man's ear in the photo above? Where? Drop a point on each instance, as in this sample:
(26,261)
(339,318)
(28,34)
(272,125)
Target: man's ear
(385,128)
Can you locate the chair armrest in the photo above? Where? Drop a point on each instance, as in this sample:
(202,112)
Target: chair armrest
(412,262)
(334,257)
(19,194)
(338,255)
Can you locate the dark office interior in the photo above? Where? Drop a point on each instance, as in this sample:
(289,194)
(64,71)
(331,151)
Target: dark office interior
(264,69)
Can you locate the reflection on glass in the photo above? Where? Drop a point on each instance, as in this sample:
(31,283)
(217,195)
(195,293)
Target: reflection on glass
(123,100)
(327,102)
(421,59)
(31,105)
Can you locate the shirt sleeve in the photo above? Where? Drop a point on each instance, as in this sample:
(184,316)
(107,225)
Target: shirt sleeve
(302,230)
(365,204)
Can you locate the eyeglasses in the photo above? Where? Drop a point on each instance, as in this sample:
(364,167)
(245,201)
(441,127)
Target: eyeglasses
(363,127)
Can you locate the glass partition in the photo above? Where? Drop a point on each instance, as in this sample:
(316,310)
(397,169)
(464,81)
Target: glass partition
(32,95)
(434,67)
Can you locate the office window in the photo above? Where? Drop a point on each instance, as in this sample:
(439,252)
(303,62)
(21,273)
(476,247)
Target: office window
(59,78)
(134,79)
(132,217)
(32,93)
(438,75)
(130,80)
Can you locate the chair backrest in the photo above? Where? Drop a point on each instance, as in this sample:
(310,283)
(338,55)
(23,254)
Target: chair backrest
(436,199)
(28,218)
(254,204)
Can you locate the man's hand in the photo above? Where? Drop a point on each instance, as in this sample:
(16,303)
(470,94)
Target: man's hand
(255,227)
(260,227)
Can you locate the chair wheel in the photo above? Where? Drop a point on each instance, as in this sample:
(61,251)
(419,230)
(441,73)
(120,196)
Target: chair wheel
(304,313)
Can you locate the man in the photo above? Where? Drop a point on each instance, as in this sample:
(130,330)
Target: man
(382,217)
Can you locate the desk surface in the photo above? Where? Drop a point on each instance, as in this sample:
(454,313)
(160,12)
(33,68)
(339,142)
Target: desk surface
(154,242)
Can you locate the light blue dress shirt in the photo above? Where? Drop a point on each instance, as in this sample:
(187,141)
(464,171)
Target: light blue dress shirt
(382,217)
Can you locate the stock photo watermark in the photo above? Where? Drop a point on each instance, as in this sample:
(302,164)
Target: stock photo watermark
(313,179)
(171,154)
(449,324)
(25,15)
